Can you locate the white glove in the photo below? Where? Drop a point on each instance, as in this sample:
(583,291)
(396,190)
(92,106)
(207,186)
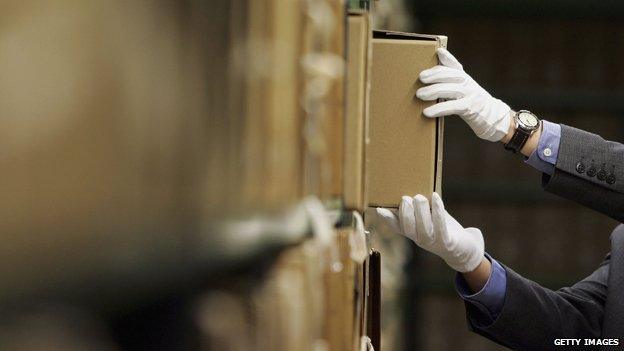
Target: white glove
(436,231)
(488,117)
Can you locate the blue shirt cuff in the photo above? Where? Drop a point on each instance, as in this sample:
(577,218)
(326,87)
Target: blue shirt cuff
(491,298)
(544,158)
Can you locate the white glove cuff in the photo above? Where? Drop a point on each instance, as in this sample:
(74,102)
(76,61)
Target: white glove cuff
(470,265)
(499,127)
(472,258)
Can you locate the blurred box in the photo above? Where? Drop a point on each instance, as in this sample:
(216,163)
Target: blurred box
(344,290)
(356,124)
(268,165)
(339,297)
(323,97)
(405,150)
(334,126)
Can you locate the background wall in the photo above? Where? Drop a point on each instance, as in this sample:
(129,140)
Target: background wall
(562,61)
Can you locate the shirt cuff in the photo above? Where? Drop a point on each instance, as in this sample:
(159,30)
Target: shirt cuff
(491,298)
(544,158)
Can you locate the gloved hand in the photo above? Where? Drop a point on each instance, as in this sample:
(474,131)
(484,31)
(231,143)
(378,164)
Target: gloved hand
(488,117)
(436,231)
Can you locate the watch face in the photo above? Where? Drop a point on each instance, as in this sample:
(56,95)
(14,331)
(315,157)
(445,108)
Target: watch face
(528,120)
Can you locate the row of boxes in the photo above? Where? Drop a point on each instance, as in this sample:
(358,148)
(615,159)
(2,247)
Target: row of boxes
(310,298)
(330,111)
(335,117)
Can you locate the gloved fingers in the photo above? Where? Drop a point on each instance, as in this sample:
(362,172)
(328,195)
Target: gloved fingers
(441,91)
(447,59)
(476,237)
(442,74)
(475,233)
(390,218)
(438,214)
(422,214)
(406,217)
(447,108)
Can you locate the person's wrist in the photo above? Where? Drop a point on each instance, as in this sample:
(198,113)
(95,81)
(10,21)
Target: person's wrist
(477,278)
(532,142)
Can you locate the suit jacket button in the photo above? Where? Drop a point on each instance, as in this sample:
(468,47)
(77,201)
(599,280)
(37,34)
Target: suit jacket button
(591,171)
(602,174)
(611,179)
(580,167)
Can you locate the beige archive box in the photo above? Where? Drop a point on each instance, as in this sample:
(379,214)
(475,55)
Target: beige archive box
(405,150)
(334,127)
(270,156)
(356,123)
(323,98)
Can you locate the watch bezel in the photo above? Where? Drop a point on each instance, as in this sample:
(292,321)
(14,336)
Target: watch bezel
(522,132)
(522,125)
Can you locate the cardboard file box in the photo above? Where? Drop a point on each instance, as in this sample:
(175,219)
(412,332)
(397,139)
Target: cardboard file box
(265,160)
(323,98)
(357,110)
(405,150)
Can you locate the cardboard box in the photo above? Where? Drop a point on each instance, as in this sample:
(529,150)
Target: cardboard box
(357,110)
(323,95)
(268,163)
(334,126)
(405,150)
(339,297)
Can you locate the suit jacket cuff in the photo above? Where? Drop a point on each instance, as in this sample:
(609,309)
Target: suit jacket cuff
(591,158)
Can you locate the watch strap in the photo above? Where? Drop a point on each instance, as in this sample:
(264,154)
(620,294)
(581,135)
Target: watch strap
(518,140)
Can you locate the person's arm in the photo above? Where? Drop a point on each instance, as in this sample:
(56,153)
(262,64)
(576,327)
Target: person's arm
(533,316)
(589,170)
(487,297)
(580,166)
(477,278)
(501,304)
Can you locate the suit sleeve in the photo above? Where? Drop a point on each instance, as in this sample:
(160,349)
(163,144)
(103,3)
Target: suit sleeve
(533,316)
(589,171)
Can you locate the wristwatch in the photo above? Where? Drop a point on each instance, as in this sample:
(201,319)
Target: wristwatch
(526,124)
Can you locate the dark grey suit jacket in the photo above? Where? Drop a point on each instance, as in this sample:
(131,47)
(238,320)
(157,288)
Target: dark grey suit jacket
(533,316)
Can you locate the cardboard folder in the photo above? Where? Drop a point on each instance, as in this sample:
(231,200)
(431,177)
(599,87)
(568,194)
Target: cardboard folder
(405,150)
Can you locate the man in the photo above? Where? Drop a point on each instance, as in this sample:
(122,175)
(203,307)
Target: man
(500,304)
